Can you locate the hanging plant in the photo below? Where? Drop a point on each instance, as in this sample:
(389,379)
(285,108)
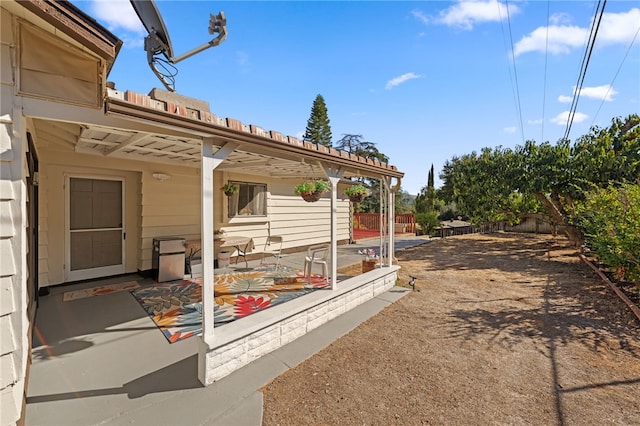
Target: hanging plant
(312,190)
(356,193)
(230,189)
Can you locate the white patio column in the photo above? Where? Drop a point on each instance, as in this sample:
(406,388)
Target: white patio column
(391,221)
(391,216)
(206,240)
(209,162)
(334,174)
(392,202)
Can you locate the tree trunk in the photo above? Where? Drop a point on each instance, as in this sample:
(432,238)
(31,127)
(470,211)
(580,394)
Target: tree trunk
(555,213)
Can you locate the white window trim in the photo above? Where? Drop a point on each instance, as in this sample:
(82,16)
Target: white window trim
(246,218)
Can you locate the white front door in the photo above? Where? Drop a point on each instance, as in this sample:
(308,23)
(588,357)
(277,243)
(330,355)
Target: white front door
(95,227)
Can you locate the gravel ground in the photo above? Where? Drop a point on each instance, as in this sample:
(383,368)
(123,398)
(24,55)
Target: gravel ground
(505,329)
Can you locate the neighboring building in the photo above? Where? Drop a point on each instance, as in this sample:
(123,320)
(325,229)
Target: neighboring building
(89,175)
(454,227)
(533,223)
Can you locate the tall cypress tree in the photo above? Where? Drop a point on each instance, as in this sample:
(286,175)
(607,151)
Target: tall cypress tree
(318,129)
(431,191)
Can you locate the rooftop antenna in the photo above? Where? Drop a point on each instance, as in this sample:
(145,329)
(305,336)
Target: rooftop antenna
(158,43)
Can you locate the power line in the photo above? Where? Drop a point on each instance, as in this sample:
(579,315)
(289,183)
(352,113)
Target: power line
(513,78)
(615,76)
(544,87)
(583,66)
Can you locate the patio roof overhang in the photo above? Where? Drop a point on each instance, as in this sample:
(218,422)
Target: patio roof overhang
(259,152)
(146,130)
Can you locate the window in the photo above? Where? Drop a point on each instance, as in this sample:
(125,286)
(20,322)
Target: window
(250,200)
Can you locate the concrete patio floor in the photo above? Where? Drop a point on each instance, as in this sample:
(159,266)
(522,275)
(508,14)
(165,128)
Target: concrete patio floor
(102,360)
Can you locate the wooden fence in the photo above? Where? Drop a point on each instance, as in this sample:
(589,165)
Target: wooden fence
(404,223)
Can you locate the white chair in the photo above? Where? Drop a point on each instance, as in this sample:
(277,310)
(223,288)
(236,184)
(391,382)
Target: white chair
(316,255)
(273,248)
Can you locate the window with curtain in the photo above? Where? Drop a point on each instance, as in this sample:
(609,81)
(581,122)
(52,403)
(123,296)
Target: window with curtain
(250,200)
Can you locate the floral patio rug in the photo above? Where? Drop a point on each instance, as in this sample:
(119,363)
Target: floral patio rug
(176,306)
(99,291)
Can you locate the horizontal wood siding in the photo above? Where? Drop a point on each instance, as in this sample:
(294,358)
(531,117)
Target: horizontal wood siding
(14,304)
(301,223)
(169,208)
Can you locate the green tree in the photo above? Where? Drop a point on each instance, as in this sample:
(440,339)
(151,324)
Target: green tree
(610,220)
(428,222)
(355,144)
(426,199)
(498,183)
(404,202)
(318,128)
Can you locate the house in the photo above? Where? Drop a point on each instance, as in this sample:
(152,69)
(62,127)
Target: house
(90,175)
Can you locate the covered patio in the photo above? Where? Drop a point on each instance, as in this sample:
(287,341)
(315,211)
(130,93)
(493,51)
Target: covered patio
(102,359)
(176,146)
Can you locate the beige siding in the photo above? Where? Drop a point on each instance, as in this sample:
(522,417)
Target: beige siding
(13,300)
(298,222)
(169,208)
(303,223)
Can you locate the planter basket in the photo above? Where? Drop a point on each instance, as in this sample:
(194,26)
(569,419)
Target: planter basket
(357,198)
(228,193)
(368,265)
(311,197)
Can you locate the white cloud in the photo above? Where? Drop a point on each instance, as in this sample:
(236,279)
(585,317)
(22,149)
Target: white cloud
(510,130)
(420,16)
(401,79)
(536,121)
(561,119)
(117,14)
(602,93)
(560,18)
(561,39)
(614,28)
(618,27)
(467,13)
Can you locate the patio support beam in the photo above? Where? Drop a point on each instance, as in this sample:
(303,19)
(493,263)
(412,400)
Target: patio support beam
(132,140)
(209,163)
(334,173)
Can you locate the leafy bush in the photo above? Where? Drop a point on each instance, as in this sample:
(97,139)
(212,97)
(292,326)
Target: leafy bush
(610,221)
(428,222)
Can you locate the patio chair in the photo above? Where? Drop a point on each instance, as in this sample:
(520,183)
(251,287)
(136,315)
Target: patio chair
(316,255)
(273,248)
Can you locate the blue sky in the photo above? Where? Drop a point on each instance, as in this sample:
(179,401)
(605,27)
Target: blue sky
(424,81)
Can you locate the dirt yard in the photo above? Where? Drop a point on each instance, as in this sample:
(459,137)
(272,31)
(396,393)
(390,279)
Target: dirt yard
(506,329)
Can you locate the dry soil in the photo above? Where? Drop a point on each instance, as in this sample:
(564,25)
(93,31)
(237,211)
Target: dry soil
(505,329)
